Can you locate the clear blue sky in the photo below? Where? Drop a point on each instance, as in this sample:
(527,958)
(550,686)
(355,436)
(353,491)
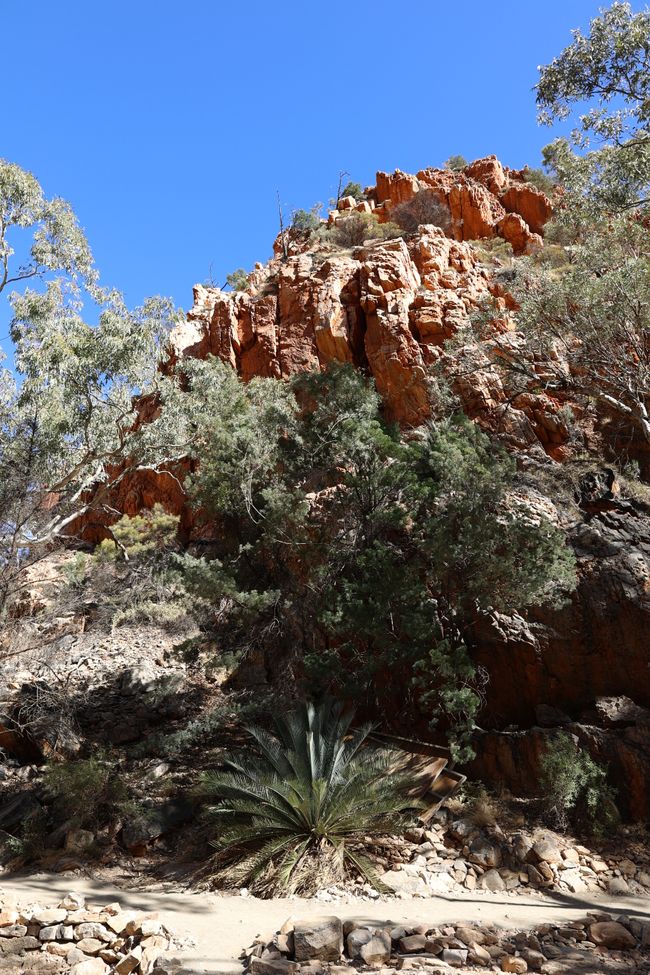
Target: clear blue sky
(170,125)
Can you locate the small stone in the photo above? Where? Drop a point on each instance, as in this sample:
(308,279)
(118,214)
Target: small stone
(457,957)
(49,916)
(533,958)
(93,966)
(90,946)
(484,852)
(618,886)
(611,934)
(511,963)
(8,918)
(627,868)
(377,950)
(13,931)
(261,966)
(53,932)
(412,943)
(92,929)
(478,955)
(492,880)
(118,922)
(131,961)
(546,848)
(73,902)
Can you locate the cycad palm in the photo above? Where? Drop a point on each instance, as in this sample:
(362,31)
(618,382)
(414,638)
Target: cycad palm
(293,815)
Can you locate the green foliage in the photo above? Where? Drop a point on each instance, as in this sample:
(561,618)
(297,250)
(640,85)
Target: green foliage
(197,731)
(58,243)
(353,189)
(594,309)
(355,229)
(76,571)
(87,791)
(352,553)
(423,208)
(611,67)
(541,180)
(31,842)
(293,815)
(575,787)
(307,220)
(69,426)
(167,615)
(238,280)
(456,163)
(147,535)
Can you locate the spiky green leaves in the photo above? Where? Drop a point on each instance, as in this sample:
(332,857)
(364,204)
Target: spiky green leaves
(292,814)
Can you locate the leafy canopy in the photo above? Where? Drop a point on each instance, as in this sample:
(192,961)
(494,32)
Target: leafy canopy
(70,429)
(359,558)
(611,67)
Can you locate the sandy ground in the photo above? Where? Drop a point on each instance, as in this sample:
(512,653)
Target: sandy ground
(220,927)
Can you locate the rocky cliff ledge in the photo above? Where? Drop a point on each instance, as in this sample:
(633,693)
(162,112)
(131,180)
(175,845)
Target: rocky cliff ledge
(388,306)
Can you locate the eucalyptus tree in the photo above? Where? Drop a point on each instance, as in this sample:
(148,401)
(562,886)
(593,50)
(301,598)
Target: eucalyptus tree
(584,304)
(70,429)
(606,160)
(58,244)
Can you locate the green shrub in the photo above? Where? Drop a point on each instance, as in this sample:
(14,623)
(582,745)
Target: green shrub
(198,730)
(164,614)
(32,841)
(293,815)
(88,791)
(76,571)
(353,189)
(144,535)
(575,787)
(307,221)
(456,163)
(354,230)
(238,280)
(423,208)
(540,179)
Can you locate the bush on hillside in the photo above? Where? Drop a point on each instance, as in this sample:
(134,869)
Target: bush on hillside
(238,280)
(307,221)
(456,163)
(354,230)
(353,189)
(88,791)
(541,180)
(423,208)
(575,788)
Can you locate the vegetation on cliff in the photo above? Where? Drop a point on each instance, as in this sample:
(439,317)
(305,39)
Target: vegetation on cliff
(308,532)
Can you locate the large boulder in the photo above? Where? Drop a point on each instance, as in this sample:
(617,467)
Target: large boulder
(319,939)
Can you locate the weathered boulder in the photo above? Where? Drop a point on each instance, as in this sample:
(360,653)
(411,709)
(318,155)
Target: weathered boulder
(318,938)
(611,934)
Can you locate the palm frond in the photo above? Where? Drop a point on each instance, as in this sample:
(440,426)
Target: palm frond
(288,812)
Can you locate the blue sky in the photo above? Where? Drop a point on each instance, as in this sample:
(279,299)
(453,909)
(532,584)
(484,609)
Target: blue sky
(171,125)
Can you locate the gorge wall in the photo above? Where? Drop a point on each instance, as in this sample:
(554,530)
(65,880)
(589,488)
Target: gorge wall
(388,307)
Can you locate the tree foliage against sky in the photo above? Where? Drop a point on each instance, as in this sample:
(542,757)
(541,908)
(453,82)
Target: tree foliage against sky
(68,415)
(607,73)
(584,316)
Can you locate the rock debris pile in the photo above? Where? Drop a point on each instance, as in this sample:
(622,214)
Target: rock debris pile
(76,938)
(595,943)
(457,855)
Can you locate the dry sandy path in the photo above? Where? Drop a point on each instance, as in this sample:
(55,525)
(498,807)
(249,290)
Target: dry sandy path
(221,926)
